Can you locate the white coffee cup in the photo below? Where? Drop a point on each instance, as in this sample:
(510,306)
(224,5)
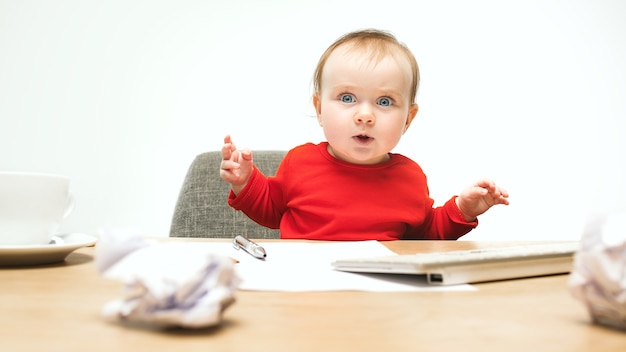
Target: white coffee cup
(32,207)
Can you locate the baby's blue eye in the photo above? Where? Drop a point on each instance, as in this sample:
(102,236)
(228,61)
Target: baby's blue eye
(347,98)
(384,102)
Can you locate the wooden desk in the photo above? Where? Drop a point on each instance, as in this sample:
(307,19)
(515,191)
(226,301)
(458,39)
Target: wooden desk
(57,307)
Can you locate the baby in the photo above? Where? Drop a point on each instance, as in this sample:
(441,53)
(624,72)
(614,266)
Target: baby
(351,187)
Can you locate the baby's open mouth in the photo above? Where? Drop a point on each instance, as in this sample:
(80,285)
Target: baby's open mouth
(363,138)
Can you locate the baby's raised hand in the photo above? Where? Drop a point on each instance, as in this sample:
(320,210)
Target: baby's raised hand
(479,197)
(236,166)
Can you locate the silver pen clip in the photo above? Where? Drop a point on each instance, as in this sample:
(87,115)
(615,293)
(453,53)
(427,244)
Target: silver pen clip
(252,248)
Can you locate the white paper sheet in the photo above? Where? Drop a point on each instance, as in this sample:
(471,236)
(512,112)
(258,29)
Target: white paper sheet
(298,266)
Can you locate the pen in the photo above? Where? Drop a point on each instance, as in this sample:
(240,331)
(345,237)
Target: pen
(254,249)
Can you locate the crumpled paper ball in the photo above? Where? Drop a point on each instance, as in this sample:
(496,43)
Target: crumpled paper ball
(598,278)
(165,284)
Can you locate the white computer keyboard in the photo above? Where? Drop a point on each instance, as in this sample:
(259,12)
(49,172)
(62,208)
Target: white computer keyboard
(474,265)
(494,254)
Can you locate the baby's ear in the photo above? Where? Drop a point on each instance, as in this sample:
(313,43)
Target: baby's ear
(410,116)
(317,104)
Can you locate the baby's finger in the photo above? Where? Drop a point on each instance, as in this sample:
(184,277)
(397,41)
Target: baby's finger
(246,154)
(229,165)
(226,152)
(503,192)
(487,184)
(227,139)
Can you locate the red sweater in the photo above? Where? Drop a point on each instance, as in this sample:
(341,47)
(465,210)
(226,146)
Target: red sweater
(316,196)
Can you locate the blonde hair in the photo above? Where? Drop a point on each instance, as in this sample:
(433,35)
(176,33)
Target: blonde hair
(380,44)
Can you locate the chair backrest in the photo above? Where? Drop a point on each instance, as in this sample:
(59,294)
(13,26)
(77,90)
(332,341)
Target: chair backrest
(202,208)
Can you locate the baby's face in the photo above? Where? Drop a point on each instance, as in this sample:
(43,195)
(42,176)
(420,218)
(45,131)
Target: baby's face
(364,106)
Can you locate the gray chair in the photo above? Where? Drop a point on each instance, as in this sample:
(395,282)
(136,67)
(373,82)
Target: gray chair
(202,208)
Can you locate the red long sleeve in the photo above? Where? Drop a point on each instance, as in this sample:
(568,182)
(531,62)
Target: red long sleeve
(316,196)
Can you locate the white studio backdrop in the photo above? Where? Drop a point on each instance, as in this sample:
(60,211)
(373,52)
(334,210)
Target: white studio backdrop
(122,95)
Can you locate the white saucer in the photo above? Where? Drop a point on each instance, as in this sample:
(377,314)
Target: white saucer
(13,255)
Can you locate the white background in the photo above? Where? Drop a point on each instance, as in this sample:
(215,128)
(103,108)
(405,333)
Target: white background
(122,95)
